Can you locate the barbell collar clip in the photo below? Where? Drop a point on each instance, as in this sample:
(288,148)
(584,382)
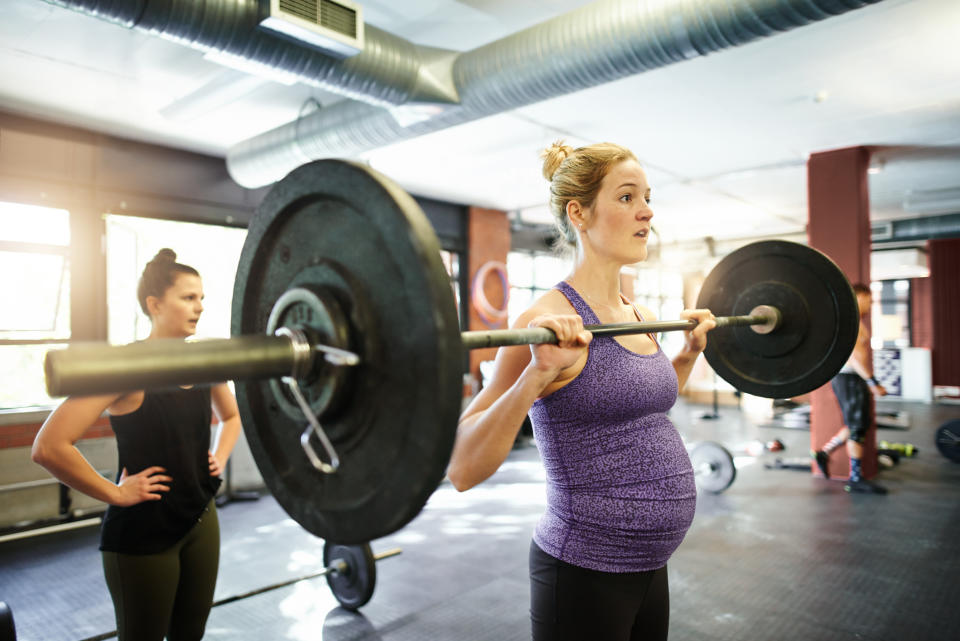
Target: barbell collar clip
(337,356)
(313,427)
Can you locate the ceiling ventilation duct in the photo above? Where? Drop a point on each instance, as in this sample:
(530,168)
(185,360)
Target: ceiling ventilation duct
(907,230)
(334,28)
(403,90)
(594,45)
(389,71)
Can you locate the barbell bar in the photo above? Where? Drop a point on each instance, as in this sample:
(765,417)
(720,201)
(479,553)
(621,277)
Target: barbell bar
(763,318)
(350,571)
(86,369)
(341,259)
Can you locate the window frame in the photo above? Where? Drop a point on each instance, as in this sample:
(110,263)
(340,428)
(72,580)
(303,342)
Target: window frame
(19,247)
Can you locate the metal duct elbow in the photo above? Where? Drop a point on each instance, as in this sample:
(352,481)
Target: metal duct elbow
(387,72)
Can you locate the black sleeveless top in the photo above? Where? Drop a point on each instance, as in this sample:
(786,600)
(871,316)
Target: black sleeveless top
(170,429)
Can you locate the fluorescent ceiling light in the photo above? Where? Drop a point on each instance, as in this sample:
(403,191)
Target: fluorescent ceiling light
(897,264)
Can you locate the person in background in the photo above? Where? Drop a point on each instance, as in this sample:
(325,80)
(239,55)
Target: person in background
(620,487)
(160,538)
(855,387)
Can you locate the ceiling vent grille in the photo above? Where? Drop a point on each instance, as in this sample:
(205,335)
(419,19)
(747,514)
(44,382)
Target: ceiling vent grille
(335,28)
(881,231)
(338,17)
(303,9)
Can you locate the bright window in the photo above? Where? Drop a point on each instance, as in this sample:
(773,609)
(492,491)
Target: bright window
(35,290)
(451,261)
(890,314)
(531,275)
(661,292)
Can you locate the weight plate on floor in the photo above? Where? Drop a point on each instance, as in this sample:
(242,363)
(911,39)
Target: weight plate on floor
(353,588)
(713,466)
(948,440)
(344,231)
(819,319)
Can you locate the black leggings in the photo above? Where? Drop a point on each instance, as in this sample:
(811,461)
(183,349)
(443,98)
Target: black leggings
(169,593)
(570,602)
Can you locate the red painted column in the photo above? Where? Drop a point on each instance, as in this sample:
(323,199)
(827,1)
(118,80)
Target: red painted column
(488,238)
(839,226)
(944,283)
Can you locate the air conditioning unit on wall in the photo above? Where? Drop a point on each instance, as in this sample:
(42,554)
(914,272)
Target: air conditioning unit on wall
(333,28)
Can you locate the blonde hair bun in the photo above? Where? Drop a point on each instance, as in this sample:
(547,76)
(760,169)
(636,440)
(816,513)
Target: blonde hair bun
(553,156)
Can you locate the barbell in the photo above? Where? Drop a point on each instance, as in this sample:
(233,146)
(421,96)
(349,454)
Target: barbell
(713,466)
(350,571)
(344,313)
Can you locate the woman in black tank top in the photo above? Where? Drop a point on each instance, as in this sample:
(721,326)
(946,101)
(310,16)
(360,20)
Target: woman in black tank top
(161,522)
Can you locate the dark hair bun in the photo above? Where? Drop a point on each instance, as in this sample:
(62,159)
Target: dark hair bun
(165,255)
(159,274)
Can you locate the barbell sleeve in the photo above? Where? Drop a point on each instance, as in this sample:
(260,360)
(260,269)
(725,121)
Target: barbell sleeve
(88,368)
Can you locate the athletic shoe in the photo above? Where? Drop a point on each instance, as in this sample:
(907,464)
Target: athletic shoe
(823,462)
(864,487)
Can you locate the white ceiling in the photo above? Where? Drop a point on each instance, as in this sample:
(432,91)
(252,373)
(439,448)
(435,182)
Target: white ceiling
(725,137)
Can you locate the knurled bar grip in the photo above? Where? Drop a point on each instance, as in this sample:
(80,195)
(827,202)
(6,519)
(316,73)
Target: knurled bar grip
(539,335)
(85,369)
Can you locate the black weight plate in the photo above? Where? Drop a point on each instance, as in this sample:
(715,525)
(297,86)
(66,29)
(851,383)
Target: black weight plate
(818,328)
(713,466)
(948,440)
(345,230)
(354,587)
(8,631)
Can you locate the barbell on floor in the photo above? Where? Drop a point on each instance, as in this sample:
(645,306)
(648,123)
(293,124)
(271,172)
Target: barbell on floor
(713,466)
(343,312)
(350,570)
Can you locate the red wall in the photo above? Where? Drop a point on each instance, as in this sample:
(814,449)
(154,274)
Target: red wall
(22,435)
(921,313)
(488,239)
(944,261)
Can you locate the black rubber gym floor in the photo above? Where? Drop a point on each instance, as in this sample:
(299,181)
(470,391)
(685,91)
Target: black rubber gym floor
(780,555)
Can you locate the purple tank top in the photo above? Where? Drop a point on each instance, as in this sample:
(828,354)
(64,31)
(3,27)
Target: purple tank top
(620,487)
